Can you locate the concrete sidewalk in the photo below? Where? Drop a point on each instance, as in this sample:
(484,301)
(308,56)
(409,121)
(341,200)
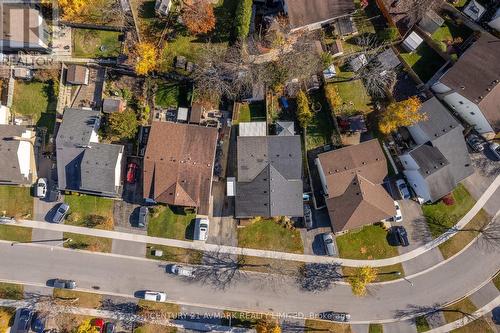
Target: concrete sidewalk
(201,246)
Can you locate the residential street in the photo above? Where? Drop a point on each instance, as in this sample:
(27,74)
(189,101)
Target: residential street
(447,282)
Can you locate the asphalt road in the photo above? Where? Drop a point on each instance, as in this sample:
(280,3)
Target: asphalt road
(127,275)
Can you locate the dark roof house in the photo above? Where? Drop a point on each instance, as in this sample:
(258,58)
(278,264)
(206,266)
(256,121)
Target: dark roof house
(269,181)
(17,161)
(179,164)
(83,164)
(352,178)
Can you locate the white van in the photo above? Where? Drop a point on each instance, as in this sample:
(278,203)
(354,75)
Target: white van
(201,229)
(155,296)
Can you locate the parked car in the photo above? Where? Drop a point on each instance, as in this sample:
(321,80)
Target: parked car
(109,327)
(401,235)
(201,229)
(495,149)
(64,284)
(38,324)
(24,322)
(398,217)
(181,270)
(41,188)
(131,172)
(60,213)
(475,142)
(143,217)
(335,316)
(403,189)
(7,219)
(308,217)
(98,323)
(328,241)
(155,296)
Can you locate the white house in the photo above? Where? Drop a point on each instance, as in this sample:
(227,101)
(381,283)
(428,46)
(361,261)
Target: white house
(471,86)
(17,161)
(162,7)
(495,21)
(412,41)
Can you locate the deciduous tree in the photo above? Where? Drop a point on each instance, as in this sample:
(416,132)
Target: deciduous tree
(123,124)
(198,16)
(404,113)
(333,97)
(243,18)
(86,327)
(304,113)
(360,279)
(268,325)
(147,58)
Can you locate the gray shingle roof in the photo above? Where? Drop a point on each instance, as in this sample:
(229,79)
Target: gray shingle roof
(285,128)
(10,172)
(98,167)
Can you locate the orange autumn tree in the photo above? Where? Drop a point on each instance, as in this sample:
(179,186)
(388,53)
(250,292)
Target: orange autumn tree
(404,113)
(146,58)
(69,8)
(198,16)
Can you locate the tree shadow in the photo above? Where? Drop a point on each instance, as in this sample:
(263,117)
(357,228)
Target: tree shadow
(189,233)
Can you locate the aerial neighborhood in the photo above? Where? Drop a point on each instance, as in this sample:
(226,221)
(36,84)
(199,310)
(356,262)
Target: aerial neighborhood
(249,166)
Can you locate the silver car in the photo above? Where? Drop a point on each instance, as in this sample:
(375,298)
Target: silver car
(64,284)
(181,270)
(41,188)
(61,213)
(495,149)
(308,216)
(328,241)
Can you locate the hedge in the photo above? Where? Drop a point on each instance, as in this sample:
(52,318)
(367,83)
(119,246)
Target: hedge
(243,18)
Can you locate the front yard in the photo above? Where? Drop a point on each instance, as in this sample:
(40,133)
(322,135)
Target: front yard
(269,235)
(175,254)
(16,201)
(91,43)
(37,101)
(79,298)
(171,222)
(425,62)
(312,325)
(15,233)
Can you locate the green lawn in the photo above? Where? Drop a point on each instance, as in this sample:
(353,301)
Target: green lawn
(186,46)
(90,43)
(269,235)
(320,130)
(150,328)
(496,281)
(37,101)
(458,310)
(252,112)
(375,328)
(83,207)
(11,291)
(460,3)
(16,201)
(172,94)
(171,222)
(354,96)
(224,15)
(149,25)
(424,61)
(449,31)
(175,254)
(89,243)
(15,233)
(312,325)
(83,299)
(441,217)
(422,324)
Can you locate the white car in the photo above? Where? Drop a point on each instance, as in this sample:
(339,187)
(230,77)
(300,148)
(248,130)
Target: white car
(495,149)
(181,270)
(41,188)
(398,217)
(403,189)
(155,296)
(201,229)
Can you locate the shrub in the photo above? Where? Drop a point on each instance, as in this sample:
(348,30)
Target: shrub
(448,200)
(304,114)
(243,18)
(389,34)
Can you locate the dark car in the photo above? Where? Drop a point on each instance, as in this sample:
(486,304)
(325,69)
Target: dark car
(131,172)
(38,324)
(143,217)
(60,213)
(64,284)
(475,142)
(401,235)
(109,327)
(24,322)
(335,316)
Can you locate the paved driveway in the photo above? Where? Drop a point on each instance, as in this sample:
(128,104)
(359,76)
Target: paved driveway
(223,227)
(312,239)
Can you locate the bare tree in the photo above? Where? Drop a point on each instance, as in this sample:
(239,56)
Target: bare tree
(377,80)
(429,311)
(318,277)
(417,10)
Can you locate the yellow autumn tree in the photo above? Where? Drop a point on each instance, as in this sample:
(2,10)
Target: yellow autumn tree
(404,113)
(304,113)
(146,58)
(268,325)
(70,8)
(6,315)
(361,278)
(86,327)
(333,97)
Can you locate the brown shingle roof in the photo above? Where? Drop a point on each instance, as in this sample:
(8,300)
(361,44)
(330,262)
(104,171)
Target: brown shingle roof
(476,75)
(353,176)
(77,74)
(305,12)
(178,164)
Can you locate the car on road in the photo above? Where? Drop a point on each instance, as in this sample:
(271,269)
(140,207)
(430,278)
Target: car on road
(24,321)
(64,284)
(308,222)
(132,172)
(398,217)
(401,235)
(7,219)
(495,149)
(201,229)
(41,188)
(335,316)
(143,217)
(109,327)
(329,246)
(475,142)
(403,189)
(155,296)
(181,270)
(60,213)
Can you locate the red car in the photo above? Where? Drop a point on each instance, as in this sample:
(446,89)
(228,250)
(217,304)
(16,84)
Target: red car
(98,323)
(131,172)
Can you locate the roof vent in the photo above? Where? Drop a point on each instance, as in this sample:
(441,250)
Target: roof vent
(336,170)
(462,87)
(377,159)
(357,193)
(363,163)
(329,172)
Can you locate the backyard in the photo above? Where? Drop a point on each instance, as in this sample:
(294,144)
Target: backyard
(449,32)
(172,94)
(149,25)
(35,100)
(171,222)
(353,94)
(252,112)
(320,129)
(91,43)
(425,62)
(269,235)
(16,201)
(186,46)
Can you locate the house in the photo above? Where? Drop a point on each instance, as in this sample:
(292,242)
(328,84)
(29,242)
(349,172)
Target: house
(344,26)
(269,181)
(256,128)
(112,105)
(471,86)
(83,163)
(412,41)
(474,10)
(34,34)
(285,128)
(196,114)
(162,7)
(313,14)
(179,164)
(352,180)
(388,60)
(430,22)
(358,62)
(17,158)
(495,21)
(77,74)
(440,160)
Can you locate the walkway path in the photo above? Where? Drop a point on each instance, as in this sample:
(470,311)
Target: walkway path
(271,254)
